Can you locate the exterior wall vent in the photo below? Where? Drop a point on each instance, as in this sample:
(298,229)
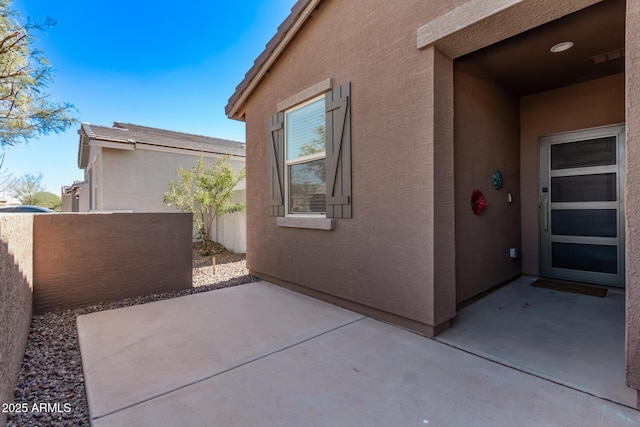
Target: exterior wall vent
(608,56)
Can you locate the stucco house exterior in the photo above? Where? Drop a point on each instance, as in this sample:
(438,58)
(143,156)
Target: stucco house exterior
(71,199)
(128,167)
(370,124)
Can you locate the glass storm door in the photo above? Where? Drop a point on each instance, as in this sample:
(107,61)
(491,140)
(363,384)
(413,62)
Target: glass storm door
(581,206)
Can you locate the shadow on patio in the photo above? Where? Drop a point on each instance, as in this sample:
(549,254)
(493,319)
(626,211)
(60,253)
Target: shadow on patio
(570,339)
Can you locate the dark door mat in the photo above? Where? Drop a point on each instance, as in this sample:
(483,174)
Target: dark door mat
(576,288)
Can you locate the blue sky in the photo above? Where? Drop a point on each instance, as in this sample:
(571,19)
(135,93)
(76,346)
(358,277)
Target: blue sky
(171,65)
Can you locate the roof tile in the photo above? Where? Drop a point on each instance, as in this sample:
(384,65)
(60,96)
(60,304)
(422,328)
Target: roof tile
(128,132)
(282,31)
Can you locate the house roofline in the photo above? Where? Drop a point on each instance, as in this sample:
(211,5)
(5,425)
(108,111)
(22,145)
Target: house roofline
(142,137)
(300,12)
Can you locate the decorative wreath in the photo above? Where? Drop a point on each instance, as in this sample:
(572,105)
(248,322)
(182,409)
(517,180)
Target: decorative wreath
(478,202)
(497,179)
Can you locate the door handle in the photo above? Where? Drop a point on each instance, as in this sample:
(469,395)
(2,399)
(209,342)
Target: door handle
(545,213)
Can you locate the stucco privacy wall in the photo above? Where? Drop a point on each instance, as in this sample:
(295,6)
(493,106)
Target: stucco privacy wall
(486,139)
(16,276)
(85,258)
(593,103)
(632,196)
(385,257)
(136,180)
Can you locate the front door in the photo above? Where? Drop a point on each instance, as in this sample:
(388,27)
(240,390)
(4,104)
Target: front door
(582,206)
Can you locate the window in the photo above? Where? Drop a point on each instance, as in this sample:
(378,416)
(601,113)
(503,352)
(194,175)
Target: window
(305,159)
(310,158)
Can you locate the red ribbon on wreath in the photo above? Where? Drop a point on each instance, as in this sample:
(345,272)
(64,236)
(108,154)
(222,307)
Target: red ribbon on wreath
(478,202)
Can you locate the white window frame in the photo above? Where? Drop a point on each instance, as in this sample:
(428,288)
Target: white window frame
(299,160)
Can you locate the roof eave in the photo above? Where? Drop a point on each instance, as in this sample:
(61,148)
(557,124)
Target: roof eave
(83,146)
(300,12)
(82,155)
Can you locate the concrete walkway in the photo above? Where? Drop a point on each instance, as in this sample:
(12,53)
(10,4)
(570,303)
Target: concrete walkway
(258,354)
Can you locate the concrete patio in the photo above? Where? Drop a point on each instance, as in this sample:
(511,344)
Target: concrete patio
(258,354)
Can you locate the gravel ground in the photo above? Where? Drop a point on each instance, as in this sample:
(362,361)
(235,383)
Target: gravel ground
(51,370)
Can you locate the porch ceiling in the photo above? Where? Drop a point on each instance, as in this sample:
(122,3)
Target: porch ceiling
(525,65)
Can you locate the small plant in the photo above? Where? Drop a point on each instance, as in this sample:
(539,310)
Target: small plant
(205,190)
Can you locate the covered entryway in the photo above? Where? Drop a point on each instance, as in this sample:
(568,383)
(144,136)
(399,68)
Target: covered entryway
(515,98)
(512,97)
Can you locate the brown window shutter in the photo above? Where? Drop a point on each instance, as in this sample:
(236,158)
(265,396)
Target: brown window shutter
(338,149)
(276,165)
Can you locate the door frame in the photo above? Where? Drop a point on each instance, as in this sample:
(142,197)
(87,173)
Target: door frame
(544,204)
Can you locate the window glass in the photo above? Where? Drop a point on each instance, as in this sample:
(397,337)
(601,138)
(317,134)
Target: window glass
(576,256)
(305,130)
(584,222)
(582,154)
(305,149)
(307,191)
(584,188)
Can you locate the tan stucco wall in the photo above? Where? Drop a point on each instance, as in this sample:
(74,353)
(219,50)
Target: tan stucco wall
(66,202)
(594,103)
(136,181)
(16,274)
(95,178)
(486,139)
(388,255)
(82,259)
(632,196)
(83,200)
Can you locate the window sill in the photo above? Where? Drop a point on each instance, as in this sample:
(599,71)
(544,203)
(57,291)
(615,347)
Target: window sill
(312,223)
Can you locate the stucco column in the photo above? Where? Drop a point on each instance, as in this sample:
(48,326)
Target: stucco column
(632,193)
(439,111)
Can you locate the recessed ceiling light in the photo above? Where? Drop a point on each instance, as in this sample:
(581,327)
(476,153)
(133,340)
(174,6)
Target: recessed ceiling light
(561,47)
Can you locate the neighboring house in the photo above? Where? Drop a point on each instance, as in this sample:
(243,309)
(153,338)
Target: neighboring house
(416,105)
(128,168)
(71,197)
